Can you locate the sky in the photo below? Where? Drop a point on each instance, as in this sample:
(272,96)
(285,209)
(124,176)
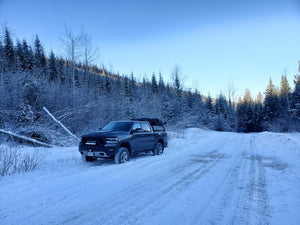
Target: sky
(215,43)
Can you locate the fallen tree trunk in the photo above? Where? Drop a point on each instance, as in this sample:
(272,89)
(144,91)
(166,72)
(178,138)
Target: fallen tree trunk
(25,138)
(57,121)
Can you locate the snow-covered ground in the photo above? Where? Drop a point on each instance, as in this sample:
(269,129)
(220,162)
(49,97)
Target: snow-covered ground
(204,177)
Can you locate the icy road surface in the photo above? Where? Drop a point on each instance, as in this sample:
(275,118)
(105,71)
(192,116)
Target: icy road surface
(204,177)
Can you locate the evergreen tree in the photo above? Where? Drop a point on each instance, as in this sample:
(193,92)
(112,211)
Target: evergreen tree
(258,114)
(154,86)
(209,104)
(209,115)
(61,70)
(190,100)
(177,81)
(132,84)
(1,59)
(161,83)
(284,86)
(9,49)
(284,105)
(28,55)
(295,103)
(53,76)
(247,97)
(221,111)
(248,112)
(107,85)
(39,56)
(19,56)
(221,105)
(259,98)
(168,106)
(128,98)
(245,114)
(271,103)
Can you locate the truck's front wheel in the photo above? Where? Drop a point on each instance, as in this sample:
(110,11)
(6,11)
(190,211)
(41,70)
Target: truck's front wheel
(122,156)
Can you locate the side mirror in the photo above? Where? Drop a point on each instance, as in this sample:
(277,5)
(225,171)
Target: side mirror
(137,130)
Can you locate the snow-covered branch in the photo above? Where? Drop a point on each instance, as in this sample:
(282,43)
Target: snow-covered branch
(25,138)
(66,129)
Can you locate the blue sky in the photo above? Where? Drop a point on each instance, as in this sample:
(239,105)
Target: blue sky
(214,42)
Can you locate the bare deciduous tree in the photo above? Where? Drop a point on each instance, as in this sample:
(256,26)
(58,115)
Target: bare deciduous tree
(72,44)
(91,52)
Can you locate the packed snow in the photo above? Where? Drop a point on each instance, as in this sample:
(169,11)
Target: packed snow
(203,177)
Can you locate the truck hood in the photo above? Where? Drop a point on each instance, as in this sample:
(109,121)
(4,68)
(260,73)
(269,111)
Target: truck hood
(106,134)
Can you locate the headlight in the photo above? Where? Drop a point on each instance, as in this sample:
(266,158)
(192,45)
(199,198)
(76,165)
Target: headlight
(112,140)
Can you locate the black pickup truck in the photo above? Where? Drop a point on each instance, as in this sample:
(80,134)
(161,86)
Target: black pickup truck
(119,140)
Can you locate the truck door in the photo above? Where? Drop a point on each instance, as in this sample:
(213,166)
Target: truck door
(148,138)
(137,137)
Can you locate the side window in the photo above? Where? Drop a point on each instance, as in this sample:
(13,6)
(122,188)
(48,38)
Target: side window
(158,128)
(136,125)
(146,127)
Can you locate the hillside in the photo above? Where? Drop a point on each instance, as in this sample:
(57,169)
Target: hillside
(86,96)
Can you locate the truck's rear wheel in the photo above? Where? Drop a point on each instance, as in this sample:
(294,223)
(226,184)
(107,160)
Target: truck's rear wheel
(159,149)
(122,156)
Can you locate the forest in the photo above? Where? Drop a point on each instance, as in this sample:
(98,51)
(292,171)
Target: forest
(85,96)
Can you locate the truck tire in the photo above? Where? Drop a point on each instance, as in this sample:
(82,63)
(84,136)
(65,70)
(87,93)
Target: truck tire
(122,156)
(159,149)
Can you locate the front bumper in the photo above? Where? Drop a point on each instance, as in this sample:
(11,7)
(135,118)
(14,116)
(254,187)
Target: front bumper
(98,152)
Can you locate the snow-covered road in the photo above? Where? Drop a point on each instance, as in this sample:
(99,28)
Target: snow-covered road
(204,177)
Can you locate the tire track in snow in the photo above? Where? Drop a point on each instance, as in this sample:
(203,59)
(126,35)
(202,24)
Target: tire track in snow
(217,209)
(258,203)
(253,206)
(244,198)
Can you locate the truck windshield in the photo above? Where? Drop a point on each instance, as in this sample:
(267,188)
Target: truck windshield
(118,126)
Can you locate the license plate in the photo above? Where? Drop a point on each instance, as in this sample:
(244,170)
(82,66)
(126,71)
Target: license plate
(90,154)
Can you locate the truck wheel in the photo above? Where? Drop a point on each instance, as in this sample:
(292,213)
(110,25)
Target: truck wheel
(159,149)
(122,156)
(88,158)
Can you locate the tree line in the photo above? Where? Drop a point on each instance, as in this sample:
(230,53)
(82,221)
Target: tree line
(85,96)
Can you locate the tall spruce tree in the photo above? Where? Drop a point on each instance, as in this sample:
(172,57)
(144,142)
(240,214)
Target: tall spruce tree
(258,113)
(28,55)
(284,104)
(132,84)
(1,59)
(39,55)
(284,86)
(19,56)
(295,103)
(161,83)
(177,80)
(107,85)
(154,86)
(53,76)
(9,50)
(271,103)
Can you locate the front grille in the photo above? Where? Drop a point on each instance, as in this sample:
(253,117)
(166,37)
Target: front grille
(93,141)
(101,141)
